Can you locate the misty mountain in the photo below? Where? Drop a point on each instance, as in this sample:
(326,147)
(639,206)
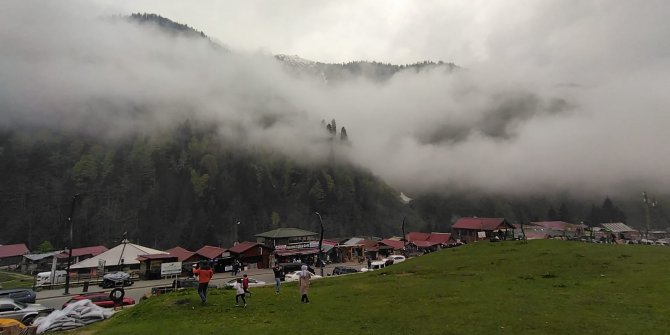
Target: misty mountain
(370,70)
(168,138)
(166,25)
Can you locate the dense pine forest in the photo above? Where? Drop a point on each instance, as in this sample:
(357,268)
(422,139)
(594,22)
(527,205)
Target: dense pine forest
(184,187)
(189,187)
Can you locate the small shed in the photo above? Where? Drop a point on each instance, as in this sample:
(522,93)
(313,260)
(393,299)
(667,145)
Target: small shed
(474,228)
(11,255)
(150,265)
(254,254)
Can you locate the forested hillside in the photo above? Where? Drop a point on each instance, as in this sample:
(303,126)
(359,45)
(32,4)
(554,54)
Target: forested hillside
(182,187)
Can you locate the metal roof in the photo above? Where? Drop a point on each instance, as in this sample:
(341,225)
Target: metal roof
(617,227)
(285,233)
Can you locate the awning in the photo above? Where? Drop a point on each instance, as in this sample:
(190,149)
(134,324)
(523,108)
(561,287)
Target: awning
(291,252)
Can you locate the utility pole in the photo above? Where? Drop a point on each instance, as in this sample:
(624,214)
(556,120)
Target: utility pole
(404,238)
(69,253)
(320,244)
(647,205)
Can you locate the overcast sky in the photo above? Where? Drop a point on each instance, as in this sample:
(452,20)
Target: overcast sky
(555,94)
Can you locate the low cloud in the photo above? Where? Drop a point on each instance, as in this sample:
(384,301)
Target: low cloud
(566,104)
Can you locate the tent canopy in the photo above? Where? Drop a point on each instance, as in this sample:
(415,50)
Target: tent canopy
(124,253)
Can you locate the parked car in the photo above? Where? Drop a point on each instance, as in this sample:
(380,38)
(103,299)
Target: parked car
(26,313)
(295,275)
(376,265)
(116,279)
(24,295)
(101,299)
(292,267)
(397,258)
(252,282)
(340,270)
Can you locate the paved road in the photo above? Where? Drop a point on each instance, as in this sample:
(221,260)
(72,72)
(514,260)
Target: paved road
(56,299)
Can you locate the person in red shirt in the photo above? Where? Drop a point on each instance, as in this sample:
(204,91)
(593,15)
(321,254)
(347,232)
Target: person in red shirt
(245,283)
(204,274)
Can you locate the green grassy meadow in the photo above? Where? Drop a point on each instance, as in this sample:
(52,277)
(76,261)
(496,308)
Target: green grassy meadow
(539,287)
(15,280)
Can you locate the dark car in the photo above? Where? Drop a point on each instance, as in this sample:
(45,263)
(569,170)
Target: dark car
(340,270)
(292,267)
(24,295)
(101,299)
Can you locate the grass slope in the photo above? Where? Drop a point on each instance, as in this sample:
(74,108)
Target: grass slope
(15,280)
(542,287)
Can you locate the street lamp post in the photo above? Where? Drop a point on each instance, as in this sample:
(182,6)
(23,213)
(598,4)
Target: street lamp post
(647,204)
(237,233)
(404,238)
(320,243)
(69,253)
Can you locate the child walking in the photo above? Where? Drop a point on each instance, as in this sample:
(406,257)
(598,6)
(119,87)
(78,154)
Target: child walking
(245,284)
(239,289)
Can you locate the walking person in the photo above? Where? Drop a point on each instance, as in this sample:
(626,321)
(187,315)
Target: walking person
(236,267)
(239,290)
(305,276)
(245,284)
(277,272)
(204,274)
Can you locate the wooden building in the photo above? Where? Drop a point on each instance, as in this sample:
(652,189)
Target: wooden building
(475,229)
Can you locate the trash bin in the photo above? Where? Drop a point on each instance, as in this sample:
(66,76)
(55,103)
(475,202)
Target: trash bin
(85,286)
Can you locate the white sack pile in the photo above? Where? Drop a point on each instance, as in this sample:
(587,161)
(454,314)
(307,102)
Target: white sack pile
(74,315)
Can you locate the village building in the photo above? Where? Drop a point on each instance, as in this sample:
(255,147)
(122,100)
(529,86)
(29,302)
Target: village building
(150,265)
(353,250)
(291,244)
(123,257)
(560,228)
(392,246)
(208,253)
(285,236)
(619,230)
(475,229)
(184,255)
(11,255)
(418,242)
(254,255)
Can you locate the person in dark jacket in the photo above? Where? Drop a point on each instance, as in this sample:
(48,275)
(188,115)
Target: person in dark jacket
(277,270)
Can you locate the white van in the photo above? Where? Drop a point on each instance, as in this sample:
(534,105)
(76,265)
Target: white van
(44,278)
(376,265)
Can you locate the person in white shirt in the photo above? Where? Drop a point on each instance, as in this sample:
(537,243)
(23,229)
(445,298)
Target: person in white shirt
(239,289)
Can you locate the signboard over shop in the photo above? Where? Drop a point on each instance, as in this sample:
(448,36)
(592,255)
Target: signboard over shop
(299,245)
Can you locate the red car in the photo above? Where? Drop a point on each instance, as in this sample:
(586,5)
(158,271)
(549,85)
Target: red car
(101,299)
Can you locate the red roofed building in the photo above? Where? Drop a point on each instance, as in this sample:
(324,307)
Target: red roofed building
(183,255)
(417,236)
(395,244)
(252,253)
(441,238)
(473,229)
(80,254)
(209,252)
(12,254)
(150,264)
